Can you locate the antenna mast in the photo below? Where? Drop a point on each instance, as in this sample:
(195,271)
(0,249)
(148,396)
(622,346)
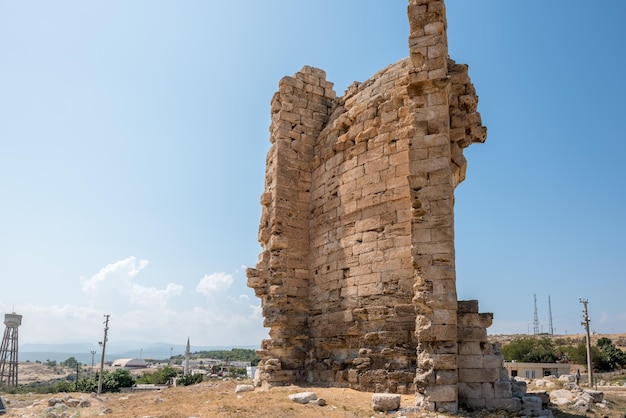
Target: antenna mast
(550,313)
(536,321)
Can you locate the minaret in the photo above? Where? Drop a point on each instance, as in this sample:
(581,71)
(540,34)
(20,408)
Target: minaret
(186,368)
(8,350)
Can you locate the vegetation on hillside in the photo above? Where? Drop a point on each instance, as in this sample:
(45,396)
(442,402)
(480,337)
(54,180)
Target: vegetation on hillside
(605,355)
(235,354)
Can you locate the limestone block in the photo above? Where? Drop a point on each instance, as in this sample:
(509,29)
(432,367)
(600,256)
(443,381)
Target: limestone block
(543,395)
(518,388)
(470,361)
(470,390)
(442,393)
(531,404)
(444,317)
(494,361)
(511,405)
(503,389)
(446,377)
(470,347)
(478,375)
(244,388)
(384,402)
(473,404)
(488,390)
(475,320)
(303,397)
(472,334)
(596,395)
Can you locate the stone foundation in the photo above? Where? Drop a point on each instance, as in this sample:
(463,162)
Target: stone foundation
(357,270)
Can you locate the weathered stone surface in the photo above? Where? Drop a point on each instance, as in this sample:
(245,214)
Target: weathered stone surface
(244,388)
(357,258)
(561,397)
(303,397)
(596,395)
(531,404)
(384,402)
(504,404)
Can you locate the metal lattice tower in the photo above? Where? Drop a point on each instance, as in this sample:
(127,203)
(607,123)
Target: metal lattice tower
(8,350)
(536,321)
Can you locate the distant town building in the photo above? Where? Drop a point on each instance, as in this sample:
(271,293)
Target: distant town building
(130,363)
(536,370)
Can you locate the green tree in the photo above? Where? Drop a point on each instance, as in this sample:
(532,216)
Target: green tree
(190,379)
(114,381)
(578,355)
(70,362)
(612,357)
(235,354)
(87,385)
(530,350)
(159,377)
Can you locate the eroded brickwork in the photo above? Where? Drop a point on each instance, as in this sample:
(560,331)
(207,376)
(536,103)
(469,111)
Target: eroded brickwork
(357,270)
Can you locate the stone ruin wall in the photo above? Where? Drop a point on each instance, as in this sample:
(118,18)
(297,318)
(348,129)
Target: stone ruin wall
(357,270)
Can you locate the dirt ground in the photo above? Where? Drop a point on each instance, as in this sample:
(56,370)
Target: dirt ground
(29,372)
(208,399)
(218,399)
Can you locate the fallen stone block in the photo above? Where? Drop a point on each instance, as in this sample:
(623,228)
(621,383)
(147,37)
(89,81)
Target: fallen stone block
(545,397)
(244,388)
(384,402)
(596,395)
(303,397)
(531,404)
(72,402)
(54,401)
(561,397)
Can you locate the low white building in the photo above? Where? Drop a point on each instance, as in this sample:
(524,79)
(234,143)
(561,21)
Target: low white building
(129,363)
(536,370)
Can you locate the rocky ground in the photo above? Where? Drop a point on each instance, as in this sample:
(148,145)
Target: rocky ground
(218,398)
(38,372)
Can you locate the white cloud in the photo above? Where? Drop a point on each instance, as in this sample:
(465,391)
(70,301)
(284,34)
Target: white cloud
(114,286)
(149,297)
(215,282)
(120,273)
(147,313)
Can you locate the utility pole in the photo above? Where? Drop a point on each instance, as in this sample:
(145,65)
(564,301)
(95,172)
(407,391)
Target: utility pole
(585,323)
(104,344)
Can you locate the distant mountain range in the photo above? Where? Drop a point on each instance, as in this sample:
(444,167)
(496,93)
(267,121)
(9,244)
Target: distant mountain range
(114,350)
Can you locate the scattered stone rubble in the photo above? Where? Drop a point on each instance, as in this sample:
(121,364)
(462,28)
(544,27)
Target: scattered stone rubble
(573,396)
(535,403)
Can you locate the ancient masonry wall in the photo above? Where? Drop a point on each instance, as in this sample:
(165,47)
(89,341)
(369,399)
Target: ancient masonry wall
(357,270)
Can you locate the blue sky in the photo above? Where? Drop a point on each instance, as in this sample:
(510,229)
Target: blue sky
(132,154)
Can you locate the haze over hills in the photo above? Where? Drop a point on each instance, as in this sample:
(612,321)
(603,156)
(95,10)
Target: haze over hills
(81,351)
